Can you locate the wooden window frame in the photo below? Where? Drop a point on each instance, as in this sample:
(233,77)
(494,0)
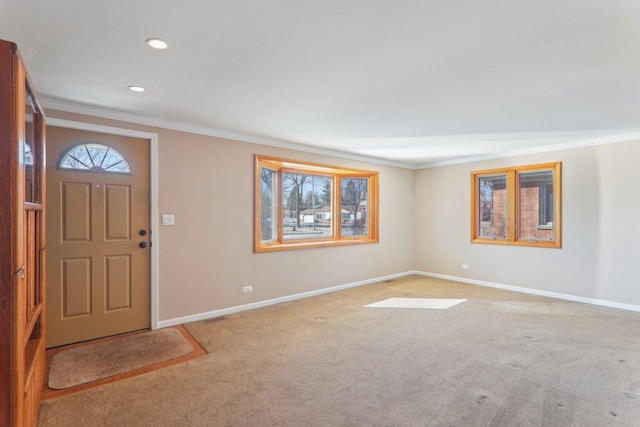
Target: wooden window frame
(513,206)
(280,166)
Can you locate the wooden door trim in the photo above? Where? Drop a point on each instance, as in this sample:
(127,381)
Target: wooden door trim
(153,194)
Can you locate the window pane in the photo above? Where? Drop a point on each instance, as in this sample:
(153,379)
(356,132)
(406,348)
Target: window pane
(268,212)
(306,207)
(493,206)
(536,205)
(354,209)
(28,154)
(95,158)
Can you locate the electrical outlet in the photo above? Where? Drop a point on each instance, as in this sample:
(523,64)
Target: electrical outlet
(465,266)
(247,289)
(168,219)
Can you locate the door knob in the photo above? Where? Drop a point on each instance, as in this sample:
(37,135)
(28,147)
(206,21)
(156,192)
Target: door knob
(143,245)
(143,232)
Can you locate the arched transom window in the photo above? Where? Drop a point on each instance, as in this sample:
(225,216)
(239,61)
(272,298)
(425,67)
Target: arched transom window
(94,157)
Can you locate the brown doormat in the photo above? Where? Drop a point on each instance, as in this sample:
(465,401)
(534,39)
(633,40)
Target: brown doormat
(93,362)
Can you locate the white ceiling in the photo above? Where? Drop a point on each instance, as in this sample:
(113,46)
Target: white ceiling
(413,82)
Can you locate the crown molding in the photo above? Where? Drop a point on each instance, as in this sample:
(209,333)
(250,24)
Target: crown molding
(105,113)
(537,150)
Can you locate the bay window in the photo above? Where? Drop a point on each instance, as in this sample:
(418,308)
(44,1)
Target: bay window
(302,205)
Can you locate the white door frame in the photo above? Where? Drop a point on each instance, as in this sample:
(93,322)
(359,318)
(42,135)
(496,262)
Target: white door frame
(153,190)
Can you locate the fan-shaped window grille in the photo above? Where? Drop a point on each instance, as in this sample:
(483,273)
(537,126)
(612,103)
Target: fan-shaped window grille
(95,158)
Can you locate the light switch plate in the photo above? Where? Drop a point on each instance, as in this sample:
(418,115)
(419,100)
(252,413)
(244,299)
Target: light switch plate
(168,219)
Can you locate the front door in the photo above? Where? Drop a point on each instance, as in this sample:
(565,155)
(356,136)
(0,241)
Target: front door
(98,256)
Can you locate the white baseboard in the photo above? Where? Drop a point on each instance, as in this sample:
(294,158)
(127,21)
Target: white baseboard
(568,297)
(239,308)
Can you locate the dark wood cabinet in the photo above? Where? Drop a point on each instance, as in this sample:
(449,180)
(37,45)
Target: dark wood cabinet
(22,243)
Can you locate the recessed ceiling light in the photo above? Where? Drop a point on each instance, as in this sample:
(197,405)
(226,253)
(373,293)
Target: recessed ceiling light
(136,88)
(157,43)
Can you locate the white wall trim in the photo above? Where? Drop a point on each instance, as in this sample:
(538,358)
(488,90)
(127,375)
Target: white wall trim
(239,308)
(634,136)
(71,107)
(105,113)
(557,295)
(153,183)
(265,303)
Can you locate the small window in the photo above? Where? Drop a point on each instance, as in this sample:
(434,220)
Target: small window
(493,206)
(517,206)
(301,205)
(354,201)
(536,205)
(28,155)
(94,157)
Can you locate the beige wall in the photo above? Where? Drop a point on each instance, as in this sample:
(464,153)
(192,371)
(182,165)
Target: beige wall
(207,257)
(600,257)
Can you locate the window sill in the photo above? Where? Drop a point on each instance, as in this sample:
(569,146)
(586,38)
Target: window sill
(274,247)
(535,244)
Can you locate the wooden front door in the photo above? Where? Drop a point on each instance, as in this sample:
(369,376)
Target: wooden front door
(98,263)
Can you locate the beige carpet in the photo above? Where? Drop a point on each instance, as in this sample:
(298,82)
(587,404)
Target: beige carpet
(81,365)
(500,359)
